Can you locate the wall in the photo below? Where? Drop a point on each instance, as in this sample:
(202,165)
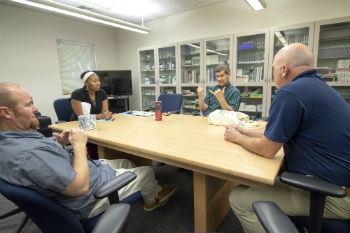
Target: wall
(28,52)
(232,16)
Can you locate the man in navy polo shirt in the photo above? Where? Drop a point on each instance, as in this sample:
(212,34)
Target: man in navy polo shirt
(223,96)
(311,121)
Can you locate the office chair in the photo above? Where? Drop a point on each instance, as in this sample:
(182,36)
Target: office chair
(274,219)
(262,119)
(22,222)
(63,109)
(52,217)
(170,103)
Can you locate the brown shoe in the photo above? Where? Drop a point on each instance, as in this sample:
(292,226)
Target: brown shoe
(163,197)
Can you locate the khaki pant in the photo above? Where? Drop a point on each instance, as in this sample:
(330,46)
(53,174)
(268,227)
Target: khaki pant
(145,182)
(293,201)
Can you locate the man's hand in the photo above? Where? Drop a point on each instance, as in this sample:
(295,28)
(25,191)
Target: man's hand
(231,134)
(200,91)
(77,137)
(62,138)
(219,93)
(237,127)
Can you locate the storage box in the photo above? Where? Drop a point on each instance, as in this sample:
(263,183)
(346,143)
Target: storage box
(87,122)
(245,46)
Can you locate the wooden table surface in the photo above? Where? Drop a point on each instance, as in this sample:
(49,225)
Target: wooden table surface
(188,142)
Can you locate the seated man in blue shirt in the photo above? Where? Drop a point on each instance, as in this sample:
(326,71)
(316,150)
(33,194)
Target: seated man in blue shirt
(29,159)
(311,121)
(223,96)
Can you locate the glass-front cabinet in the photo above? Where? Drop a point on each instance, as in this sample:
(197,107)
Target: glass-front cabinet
(332,54)
(190,60)
(250,71)
(147,68)
(158,73)
(279,38)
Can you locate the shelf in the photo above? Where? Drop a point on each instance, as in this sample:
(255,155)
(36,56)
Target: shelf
(167,59)
(250,50)
(168,70)
(250,98)
(335,39)
(251,63)
(193,54)
(146,71)
(334,58)
(151,60)
(148,95)
(190,66)
(189,95)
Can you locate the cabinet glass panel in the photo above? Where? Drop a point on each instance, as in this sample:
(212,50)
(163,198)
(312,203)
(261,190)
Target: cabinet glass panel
(286,37)
(148,96)
(167,90)
(344,92)
(190,104)
(273,93)
(333,61)
(190,63)
(251,101)
(250,58)
(147,67)
(167,65)
(218,52)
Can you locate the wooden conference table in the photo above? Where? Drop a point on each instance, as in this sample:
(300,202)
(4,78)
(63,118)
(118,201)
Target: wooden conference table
(191,143)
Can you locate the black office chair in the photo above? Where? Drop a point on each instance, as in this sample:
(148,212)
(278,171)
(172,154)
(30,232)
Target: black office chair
(22,222)
(170,103)
(52,217)
(63,109)
(275,220)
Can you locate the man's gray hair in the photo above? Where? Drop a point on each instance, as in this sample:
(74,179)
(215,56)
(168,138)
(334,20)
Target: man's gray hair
(222,67)
(7,98)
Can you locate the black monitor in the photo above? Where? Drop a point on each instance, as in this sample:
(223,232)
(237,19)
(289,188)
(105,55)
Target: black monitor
(115,82)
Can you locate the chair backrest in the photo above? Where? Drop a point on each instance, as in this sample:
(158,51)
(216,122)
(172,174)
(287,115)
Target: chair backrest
(48,214)
(170,102)
(63,109)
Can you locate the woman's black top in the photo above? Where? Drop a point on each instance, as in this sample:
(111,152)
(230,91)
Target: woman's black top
(82,95)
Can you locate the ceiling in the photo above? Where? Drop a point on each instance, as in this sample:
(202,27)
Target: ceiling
(133,10)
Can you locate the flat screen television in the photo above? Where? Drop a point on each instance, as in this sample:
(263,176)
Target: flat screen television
(115,82)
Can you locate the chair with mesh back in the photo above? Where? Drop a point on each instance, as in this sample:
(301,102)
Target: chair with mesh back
(170,103)
(63,109)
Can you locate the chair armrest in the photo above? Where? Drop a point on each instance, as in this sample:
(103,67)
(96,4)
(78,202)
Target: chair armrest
(312,185)
(176,112)
(60,122)
(272,218)
(113,219)
(111,187)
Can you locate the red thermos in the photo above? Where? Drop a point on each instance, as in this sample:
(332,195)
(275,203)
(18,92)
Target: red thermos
(158,110)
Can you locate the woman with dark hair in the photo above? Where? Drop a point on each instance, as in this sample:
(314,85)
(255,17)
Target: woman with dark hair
(96,97)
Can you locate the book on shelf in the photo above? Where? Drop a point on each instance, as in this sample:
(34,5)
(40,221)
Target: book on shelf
(211,75)
(242,79)
(190,76)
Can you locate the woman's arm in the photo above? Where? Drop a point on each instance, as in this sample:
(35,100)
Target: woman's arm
(76,105)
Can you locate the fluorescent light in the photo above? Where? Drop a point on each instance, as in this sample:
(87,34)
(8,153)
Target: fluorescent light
(216,52)
(196,46)
(281,38)
(116,23)
(255,4)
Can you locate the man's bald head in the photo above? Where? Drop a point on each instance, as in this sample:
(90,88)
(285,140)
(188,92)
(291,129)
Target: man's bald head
(7,96)
(296,55)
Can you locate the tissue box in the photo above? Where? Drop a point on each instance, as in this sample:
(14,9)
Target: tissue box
(87,122)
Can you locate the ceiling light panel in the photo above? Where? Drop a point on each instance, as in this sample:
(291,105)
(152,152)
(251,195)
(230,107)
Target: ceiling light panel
(255,4)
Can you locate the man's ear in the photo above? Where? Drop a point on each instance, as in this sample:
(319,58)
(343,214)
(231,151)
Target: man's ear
(285,71)
(6,113)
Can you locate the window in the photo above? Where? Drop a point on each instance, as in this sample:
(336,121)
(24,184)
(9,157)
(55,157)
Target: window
(74,58)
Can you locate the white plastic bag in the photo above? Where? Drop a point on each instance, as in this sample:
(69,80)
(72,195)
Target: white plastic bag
(224,117)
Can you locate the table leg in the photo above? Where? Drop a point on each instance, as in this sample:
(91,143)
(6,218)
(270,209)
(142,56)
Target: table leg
(210,201)
(107,153)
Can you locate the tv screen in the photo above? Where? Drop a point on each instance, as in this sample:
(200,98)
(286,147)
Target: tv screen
(115,82)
